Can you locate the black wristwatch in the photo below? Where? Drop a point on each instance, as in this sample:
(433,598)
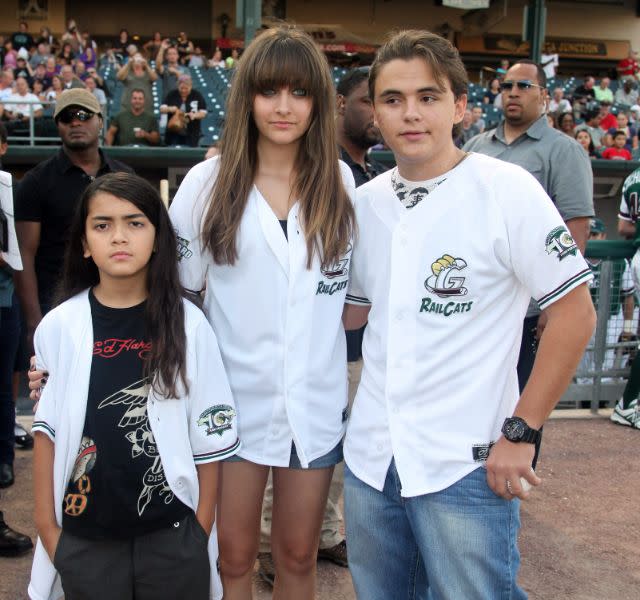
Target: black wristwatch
(516,430)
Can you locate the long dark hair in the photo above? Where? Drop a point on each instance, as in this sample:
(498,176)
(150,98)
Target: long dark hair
(164,313)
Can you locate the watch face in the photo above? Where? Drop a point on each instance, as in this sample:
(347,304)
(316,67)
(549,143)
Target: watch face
(514,430)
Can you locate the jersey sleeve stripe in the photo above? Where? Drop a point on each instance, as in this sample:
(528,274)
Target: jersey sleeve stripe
(218,454)
(351,299)
(45,428)
(561,290)
(624,216)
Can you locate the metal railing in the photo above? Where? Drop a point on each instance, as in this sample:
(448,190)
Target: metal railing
(29,136)
(602,372)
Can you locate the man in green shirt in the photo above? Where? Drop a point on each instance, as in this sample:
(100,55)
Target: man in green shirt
(133,126)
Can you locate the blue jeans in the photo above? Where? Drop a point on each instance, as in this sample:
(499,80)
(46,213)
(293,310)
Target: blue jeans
(455,544)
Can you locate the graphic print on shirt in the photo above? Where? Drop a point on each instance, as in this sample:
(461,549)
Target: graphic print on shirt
(339,268)
(75,503)
(445,281)
(559,240)
(183,247)
(134,399)
(410,196)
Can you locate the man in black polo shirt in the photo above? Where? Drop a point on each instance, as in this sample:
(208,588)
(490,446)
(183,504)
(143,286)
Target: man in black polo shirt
(46,199)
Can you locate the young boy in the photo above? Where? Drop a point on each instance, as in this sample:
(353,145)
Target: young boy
(618,151)
(451,247)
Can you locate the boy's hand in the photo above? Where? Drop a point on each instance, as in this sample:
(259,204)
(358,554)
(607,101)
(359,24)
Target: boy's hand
(507,464)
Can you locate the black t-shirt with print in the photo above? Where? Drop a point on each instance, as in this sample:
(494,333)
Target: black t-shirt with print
(118,488)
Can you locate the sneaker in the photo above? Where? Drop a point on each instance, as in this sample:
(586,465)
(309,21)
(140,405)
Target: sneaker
(336,554)
(627,416)
(266,570)
(23,438)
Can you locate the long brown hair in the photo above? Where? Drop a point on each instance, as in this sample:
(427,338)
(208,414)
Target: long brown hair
(281,57)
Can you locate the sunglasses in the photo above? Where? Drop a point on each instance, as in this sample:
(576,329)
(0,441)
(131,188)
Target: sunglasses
(69,114)
(524,85)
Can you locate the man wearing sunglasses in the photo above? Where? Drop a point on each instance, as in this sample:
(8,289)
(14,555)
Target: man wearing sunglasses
(46,200)
(556,160)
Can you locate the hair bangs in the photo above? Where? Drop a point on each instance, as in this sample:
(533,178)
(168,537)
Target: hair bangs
(285,63)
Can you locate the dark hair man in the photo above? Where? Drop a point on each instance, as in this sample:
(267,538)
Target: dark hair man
(450,247)
(133,126)
(46,199)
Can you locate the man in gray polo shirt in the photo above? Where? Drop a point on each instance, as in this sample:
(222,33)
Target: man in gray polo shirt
(556,160)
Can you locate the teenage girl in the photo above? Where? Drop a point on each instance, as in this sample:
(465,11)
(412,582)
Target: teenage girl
(266,229)
(134,416)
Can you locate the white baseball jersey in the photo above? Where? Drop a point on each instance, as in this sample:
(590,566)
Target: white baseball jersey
(278,324)
(182,428)
(449,283)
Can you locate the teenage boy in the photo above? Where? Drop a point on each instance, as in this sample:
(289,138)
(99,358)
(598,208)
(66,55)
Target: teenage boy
(451,247)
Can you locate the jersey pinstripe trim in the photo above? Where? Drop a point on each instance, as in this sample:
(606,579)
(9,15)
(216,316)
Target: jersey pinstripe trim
(561,290)
(218,454)
(44,427)
(624,216)
(351,299)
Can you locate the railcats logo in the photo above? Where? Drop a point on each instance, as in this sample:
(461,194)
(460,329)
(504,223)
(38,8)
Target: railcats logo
(445,281)
(560,241)
(217,419)
(340,268)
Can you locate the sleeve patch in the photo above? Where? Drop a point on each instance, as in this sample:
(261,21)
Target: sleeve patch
(217,419)
(560,242)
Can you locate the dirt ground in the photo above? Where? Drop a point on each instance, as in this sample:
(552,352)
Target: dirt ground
(580,537)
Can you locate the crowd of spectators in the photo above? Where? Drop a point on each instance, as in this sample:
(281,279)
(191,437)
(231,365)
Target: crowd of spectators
(35,70)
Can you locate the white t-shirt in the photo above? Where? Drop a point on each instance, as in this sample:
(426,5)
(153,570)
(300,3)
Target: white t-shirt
(16,103)
(449,282)
(279,324)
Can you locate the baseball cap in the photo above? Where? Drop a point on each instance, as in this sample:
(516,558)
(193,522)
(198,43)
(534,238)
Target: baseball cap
(77,97)
(596,225)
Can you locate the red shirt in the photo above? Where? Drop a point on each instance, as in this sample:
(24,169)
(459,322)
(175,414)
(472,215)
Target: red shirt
(616,154)
(609,122)
(628,66)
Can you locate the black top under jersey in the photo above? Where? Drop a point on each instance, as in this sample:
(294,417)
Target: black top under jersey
(118,488)
(283,224)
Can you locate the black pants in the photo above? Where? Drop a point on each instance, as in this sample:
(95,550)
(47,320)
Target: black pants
(9,339)
(528,349)
(167,564)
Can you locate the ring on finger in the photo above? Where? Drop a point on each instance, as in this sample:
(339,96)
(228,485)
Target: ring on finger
(509,487)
